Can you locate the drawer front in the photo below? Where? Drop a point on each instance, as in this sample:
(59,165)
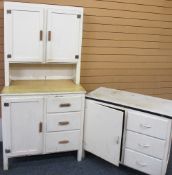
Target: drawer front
(63,121)
(62,141)
(142,162)
(145,144)
(64,104)
(148,124)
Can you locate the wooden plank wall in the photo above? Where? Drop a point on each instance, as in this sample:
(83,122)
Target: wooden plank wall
(127,44)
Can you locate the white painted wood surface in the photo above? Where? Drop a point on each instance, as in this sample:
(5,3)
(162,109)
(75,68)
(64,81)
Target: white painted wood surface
(62,141)
(145,144)
(23,134)
(65,28)
(21,120)
(147,139)
(134,100)
(22,32)
(64,103)
(143,162)
(26,38)
(63,121)
(103,131)
(148,124)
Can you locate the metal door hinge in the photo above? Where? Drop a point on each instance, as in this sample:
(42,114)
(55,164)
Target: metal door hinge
(9,56)
(6,104)
(8,11)
(78,16)
(76,56)
(7,150)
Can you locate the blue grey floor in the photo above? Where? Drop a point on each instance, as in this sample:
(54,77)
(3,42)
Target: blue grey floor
(66,164)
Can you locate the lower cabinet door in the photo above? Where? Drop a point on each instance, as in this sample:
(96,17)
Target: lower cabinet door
(23,117)
(103,131)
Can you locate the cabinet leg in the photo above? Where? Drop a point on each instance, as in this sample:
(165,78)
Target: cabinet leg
(5,162)
(79,155)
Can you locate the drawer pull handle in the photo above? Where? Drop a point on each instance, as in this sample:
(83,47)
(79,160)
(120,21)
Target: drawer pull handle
(64,123)
(65,105)
(64,142)
(145,126)
(141,164)
(143,146)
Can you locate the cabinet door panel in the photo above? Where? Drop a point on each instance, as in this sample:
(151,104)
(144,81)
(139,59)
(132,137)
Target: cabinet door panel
(63,36)
(25,118)
(103,131)
(22,34)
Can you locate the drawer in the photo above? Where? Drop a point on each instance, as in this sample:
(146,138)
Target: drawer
(62,141)
(145,144)
(148,124)
(63,121)
(64,103)
(142,162)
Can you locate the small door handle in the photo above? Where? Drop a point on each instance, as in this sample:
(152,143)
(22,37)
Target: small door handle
(64,142)
(41,35)
(40,127)
(64,123)
(65,105)
(49,35)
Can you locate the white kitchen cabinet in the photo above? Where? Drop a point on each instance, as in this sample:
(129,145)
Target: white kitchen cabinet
(147,129)
(63,35)
(42,33)
(103,131)
(22,30)
(22,126)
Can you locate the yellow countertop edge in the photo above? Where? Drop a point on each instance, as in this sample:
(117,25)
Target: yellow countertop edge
(27,87)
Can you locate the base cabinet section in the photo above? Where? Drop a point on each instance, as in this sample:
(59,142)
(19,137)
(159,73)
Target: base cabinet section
(143,162)
(30,127)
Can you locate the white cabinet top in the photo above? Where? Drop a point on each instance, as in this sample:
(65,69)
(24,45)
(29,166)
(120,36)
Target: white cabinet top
(133,100)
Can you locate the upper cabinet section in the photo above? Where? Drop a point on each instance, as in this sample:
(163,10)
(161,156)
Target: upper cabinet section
(42,33)
(63,35)
(22,29)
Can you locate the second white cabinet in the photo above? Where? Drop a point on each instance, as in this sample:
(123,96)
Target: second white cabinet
(42,33)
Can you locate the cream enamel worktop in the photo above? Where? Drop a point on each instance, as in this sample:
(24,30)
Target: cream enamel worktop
(42,87)
(133,100)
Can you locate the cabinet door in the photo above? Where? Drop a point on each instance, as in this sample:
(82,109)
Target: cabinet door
(103,131)
(23,34)
(63,36)
(23,120)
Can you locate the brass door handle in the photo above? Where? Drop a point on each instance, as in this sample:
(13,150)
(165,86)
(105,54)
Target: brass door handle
(41,35)
(40,127)
(65,105)
(64,142)
(49,35)
(64,123)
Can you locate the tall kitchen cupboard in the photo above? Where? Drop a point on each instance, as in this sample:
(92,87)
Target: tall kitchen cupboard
(42,101)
